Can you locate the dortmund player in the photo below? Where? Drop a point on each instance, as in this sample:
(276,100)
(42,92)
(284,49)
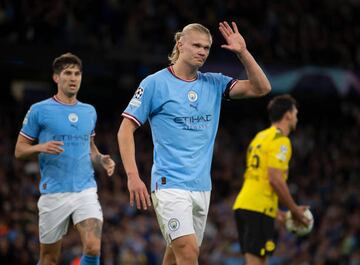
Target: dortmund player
(267,164)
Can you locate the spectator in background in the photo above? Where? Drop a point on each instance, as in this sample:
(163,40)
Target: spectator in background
(183,108)
(60,130)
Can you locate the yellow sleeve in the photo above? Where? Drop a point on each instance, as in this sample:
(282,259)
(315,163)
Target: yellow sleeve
(279,153)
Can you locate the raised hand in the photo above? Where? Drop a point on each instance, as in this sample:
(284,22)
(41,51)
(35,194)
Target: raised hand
(235,42)
(108,164)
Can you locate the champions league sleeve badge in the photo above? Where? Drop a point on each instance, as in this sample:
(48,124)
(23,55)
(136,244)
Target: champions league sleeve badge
(282,154)
(135,101)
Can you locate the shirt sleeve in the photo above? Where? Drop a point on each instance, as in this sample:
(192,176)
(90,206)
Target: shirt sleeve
(31,126)
(139,107)
(279,153)
(94,117)
(225,83)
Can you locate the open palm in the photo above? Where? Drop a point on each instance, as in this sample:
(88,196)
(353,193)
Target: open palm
(235,42)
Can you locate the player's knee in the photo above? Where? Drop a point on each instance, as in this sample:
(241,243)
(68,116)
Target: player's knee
(48,259)
(169,260)
(92,248)
(187,251)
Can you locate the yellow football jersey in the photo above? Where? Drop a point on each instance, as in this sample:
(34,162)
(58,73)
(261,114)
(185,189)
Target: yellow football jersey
(269,148)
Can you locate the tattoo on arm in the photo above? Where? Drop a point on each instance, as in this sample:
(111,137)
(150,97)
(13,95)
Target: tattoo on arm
(98,159)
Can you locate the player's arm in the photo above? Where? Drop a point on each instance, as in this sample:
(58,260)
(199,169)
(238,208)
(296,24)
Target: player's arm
(257,83)
(137,188)
(99,159)
(25,148)
(280,187)
(281,216)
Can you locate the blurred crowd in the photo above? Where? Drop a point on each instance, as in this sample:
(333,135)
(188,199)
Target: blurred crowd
(292,32)
(325,169)
(324,174)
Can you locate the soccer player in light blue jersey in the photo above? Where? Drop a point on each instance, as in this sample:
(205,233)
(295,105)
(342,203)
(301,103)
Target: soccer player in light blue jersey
(60,131)
(182,106)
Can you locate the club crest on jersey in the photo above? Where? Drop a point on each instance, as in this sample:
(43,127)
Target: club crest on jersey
(174,224)
(192,96)
(73,117)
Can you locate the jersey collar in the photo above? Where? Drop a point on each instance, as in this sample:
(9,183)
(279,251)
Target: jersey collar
(171,70)
(55,98)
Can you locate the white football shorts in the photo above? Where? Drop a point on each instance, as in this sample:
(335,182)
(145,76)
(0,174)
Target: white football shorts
(56,209)
(181,212)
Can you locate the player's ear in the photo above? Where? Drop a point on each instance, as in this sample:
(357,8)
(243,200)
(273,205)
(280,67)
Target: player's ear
(288,115)
(55,78)
(180,45)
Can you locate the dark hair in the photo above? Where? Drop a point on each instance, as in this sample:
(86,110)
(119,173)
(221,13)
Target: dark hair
(279,105)
(64,61)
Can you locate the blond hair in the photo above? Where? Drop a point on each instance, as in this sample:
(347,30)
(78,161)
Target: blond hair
(174,56)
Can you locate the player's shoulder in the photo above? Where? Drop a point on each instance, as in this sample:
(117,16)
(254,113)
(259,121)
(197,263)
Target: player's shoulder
(41,104)
(209,75)
(277,137)
(157,76)
(272,135)
(154,80)
(85,105)
(265,133)
(213,75)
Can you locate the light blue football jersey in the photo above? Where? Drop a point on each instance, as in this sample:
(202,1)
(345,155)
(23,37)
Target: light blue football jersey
(184,117)
(72,170)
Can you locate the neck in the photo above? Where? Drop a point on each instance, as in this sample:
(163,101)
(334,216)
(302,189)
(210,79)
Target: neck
(185,71)
(66,99)
(283,127)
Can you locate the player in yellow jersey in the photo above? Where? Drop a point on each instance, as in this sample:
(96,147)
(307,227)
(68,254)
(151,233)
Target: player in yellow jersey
(267,164)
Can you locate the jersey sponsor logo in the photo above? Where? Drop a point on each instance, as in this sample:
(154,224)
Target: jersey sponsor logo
(194,122)
(192,96)
(193,119)
(173,224)
(282,154)
(72,140)
(73,117)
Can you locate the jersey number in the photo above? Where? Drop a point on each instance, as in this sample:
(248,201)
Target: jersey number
(255,161)
(255,158)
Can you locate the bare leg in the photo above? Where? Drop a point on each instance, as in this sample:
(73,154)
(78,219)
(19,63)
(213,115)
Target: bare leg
(50,253)
(255,260)
(90,233)
(169,257)
(186,250)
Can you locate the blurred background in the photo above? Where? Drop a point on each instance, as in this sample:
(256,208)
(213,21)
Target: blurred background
(309,49)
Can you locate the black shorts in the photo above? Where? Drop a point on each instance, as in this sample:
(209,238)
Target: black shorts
(256,232)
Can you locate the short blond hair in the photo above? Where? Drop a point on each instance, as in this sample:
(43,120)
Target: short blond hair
(174,56)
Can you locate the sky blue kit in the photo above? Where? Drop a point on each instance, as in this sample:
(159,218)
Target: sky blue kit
(184,117)
(72,170)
